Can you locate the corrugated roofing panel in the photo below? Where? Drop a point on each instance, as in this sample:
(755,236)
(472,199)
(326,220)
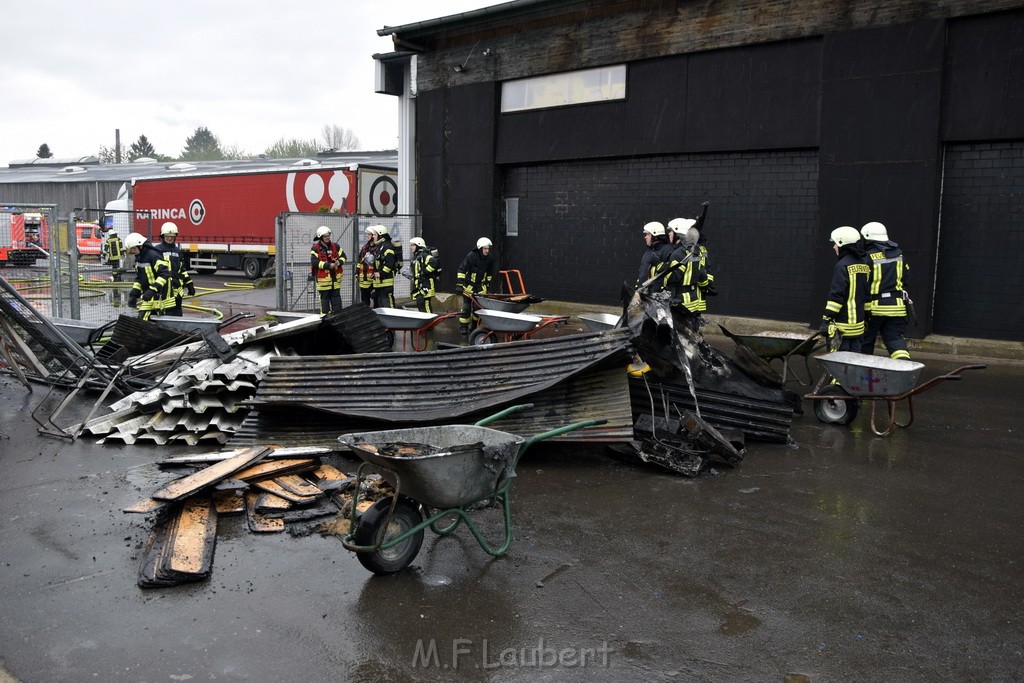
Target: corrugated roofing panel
(425,387)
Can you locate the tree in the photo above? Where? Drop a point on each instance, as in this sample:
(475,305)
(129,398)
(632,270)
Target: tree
(294,148)
(106,155)
(44,151)
(235,152)
(141,148)
(202,146)
(338,137)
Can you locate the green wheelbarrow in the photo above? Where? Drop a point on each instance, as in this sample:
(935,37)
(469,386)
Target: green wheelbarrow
(437,473)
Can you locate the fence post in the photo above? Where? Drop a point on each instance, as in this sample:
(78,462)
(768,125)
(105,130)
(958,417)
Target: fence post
(71,240)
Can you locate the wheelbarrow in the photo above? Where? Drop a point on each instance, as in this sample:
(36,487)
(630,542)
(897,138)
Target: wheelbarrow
(437,473)
(771,346)
(876,379)
(413,325)
(509,303)
(499,326)
(600,322)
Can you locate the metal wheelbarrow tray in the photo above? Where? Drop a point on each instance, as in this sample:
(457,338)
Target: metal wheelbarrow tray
(774,345)
(872,378)
(413,324)
(403,319)
(464,465)
(599,322)
(506,305)
(501,321)
(468,465)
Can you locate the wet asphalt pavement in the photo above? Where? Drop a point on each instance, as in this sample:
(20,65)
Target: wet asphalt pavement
(843,557)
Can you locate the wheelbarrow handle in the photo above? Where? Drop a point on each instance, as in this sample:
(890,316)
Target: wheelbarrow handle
(559,431)
(504,413)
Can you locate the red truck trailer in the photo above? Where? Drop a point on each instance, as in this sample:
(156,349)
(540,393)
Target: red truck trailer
(227,220)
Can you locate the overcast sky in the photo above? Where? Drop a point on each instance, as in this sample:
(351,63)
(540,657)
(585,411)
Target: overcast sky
(252,71)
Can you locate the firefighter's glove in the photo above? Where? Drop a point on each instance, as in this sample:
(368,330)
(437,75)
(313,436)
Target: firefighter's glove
(827,328)
(191,289)
(149,295)
(710,291)
(133,298)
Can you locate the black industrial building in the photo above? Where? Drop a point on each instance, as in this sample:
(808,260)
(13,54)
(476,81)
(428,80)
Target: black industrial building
(791,118)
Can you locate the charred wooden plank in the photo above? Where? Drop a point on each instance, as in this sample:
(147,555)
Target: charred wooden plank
(186,486)
(277,468)
(271,486)
(257,522)
(195,536)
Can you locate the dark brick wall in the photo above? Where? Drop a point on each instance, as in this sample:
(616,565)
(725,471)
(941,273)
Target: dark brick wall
(580,226)
(980,279)
(881,103)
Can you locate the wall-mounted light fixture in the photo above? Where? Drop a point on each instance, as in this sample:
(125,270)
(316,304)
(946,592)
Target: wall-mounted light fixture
(460,68)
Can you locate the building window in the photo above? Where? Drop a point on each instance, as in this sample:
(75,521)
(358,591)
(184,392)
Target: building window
(512,216)
(558,90)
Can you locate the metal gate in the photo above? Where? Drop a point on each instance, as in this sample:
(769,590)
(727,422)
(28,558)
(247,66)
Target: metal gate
(295,236)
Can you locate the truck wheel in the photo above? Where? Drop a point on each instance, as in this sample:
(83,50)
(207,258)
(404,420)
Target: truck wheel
(252,267)
(375,527)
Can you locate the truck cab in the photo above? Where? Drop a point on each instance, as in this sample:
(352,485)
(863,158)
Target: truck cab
(90,238)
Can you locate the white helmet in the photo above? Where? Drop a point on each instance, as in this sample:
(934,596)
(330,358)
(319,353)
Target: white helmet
(418,242)
(844,235)
(378,230)
(483,242)
(680,225)
(655,229)
(875,232)
(168,228)
(133,240)
(322,230)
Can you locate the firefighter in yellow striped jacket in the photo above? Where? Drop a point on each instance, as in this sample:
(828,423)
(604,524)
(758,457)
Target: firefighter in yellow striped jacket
(152,276)
(886,306)
(325,264)
(385,266)
(685,275)
(844,309)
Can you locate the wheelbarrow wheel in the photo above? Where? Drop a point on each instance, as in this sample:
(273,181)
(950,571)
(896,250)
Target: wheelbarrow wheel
(841,411)
(479,337)
(375,527)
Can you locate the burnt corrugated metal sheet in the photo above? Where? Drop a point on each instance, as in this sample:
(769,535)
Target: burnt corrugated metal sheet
(138,336)
(446,384)
(360,329)
(602,394)
(757,418)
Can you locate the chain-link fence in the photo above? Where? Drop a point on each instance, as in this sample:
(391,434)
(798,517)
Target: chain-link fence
(55,262)
(296,233)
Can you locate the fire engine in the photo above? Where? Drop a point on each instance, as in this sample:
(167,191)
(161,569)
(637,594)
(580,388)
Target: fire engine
(227,219)
(23,238)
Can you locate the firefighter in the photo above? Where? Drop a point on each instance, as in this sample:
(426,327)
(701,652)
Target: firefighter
(475,274)
(705,255)
(180,281)
(656,257)
(385,266)
(426,268)
(684,275)
(364,268)
(111,252)
(325,262)
(844,309)
(886,306)
(152,276)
